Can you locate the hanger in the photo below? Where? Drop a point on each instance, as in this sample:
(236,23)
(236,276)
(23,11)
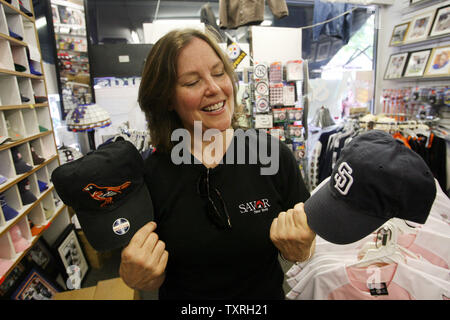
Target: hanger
(389,251)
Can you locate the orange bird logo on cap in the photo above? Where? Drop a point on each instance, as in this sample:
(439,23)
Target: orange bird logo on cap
(105,194)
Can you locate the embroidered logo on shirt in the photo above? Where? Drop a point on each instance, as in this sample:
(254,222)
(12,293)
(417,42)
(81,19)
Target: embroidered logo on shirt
(257,206)
(343,178)
(105,194)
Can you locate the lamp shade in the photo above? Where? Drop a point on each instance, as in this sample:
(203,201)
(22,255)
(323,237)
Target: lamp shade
(87,117)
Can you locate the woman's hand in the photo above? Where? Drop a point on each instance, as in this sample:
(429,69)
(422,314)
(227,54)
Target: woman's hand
(144,260)
(291,234)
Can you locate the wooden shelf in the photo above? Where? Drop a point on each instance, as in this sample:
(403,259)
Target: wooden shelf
(20,177)
(24,106)
(10,9)
(5,72)
(21,141)
(25,211)
(13,41)
(26,117)
(33,241)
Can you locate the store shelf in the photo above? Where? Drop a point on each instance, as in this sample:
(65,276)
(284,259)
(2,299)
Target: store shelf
(24,106)
(8,184)
(430,40)
(417,79)
(5,73)
(33,241)
(25,211)
(21,141)
(13,41)
(9,9)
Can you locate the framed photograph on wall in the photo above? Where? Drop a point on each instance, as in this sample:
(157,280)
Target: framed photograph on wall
(70,252)
(396,65)
(35,287)
(323,50)
(416,63)
(420,27)
(438,64)
(441,24)
(398,34)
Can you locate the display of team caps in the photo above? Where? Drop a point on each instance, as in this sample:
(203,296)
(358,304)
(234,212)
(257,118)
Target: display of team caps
(106,189)
(376,178)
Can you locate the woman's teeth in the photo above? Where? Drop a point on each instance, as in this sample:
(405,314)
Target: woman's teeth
(214,107)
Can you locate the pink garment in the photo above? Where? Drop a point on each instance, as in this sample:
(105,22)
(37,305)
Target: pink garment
(5,265)
(421,244)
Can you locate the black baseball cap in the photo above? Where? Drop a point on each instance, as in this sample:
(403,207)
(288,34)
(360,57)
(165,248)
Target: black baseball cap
(376,178)
(106,189)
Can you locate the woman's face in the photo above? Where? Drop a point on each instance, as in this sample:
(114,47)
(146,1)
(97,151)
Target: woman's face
(203,92)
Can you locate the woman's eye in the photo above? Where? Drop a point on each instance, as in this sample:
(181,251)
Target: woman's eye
(190,84)
(219,74)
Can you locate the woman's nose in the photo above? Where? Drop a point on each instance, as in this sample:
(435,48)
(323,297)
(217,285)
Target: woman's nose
(212,87)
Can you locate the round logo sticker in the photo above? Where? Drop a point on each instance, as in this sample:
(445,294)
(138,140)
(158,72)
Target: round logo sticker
(121,226)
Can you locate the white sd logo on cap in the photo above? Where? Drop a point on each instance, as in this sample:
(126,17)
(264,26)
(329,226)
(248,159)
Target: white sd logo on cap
(343,178)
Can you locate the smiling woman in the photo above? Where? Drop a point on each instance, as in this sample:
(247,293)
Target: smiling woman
(218,224)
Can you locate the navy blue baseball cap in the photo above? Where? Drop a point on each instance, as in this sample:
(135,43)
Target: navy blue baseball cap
(376,178)
(107,191)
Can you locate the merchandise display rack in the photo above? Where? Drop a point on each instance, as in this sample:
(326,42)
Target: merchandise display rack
(24,110)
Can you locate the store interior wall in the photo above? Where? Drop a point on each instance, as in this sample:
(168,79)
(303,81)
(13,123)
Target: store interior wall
(390,16)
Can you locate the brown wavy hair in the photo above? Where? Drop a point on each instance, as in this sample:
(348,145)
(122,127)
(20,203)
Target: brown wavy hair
(158,81)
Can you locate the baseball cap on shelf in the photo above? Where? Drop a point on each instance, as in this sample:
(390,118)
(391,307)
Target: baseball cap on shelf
(376,178)
(42,186)
(19,242)
(4,139)
(25,192)
(20,165)
(106,189)
(37,159)
(8,212)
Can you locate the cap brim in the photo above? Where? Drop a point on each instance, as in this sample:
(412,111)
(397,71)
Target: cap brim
(335,220)
(98,227)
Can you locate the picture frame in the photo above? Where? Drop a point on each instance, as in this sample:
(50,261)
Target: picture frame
(69,251)
(41,255)
(399,33)
(36,286)
(396,66)
(323,50)
(417,62)
(438,63)
(419,27)
(441,23)
(9,285)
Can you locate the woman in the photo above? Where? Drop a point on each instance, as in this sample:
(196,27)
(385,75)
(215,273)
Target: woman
(218,224)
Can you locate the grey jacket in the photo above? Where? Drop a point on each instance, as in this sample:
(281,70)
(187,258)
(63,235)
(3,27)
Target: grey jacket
(236,13)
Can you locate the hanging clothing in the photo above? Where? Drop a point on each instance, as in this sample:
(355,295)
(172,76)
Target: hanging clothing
(331,274)
(339,28)
(237,13)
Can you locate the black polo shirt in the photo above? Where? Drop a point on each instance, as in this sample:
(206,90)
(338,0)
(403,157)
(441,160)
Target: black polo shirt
(206,262)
